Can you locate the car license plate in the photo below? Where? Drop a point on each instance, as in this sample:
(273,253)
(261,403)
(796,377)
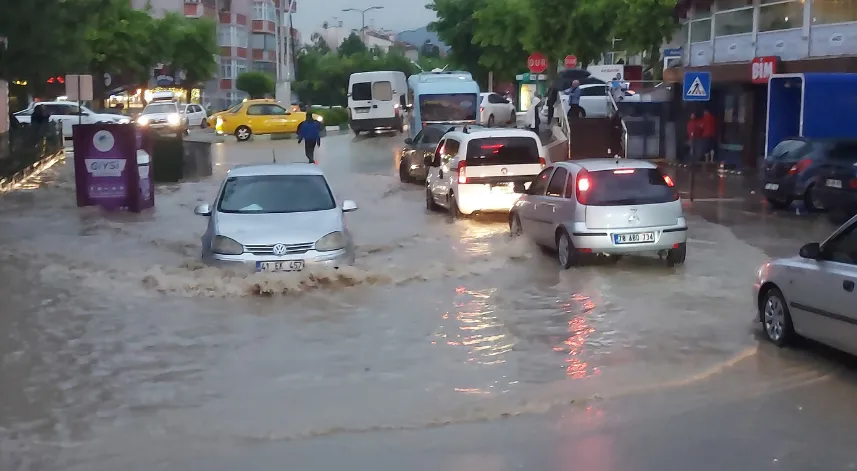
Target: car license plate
(362,111)
(772,186)
(638,238)
(834,183)
(285,265)
(502,189)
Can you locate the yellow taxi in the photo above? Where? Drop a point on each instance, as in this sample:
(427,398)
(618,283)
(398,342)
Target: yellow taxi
(258,117)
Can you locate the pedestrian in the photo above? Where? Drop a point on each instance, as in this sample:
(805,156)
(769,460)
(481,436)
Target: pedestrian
(694,136)
(708,133)
(309,131)
(552,96)
(616,88)
(533,121)
(574,109)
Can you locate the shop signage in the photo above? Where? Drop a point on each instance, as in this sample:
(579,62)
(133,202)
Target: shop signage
(762,68)
(673,52)
(537,63)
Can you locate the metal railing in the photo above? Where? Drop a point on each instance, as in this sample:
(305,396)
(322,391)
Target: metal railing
(615,110)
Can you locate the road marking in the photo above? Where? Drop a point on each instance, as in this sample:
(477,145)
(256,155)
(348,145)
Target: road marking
(698,241)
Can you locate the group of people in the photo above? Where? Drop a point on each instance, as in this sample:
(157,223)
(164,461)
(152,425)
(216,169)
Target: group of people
(574,109)
(700,135)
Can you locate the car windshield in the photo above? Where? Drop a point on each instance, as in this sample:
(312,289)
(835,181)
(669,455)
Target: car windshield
(264,194)
(502,151)
(156,108)
(628,186)
(448,108)
(234,108)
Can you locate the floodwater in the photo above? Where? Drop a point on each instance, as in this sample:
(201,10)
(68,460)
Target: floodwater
(119,350)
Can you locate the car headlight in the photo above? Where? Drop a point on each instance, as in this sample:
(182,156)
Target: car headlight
(320,119)
(124,120)
(174,119)
(333,241)
(225,246)
(143,120)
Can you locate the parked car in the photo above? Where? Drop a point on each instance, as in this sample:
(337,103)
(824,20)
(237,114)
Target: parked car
(412,164)
(276,217)
(812,295)
(495,109)
(602,206)
(836,185)
(68,114)
(793,170)
(195,114)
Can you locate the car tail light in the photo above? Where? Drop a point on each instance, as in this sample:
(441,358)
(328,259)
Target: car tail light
(462,171)
(669,181)
(582,186)
(481,109)
(852,183)
(799,167)
(543,162)
(624,171)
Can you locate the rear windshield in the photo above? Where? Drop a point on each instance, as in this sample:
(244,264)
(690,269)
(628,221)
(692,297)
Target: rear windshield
(502,151)
(450,107)
(361,91)
(382,91)
(628,186)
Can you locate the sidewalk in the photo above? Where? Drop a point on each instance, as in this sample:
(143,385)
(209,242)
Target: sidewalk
(710,185)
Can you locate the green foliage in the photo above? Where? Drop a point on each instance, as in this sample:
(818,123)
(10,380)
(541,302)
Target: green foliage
(456,26)
(643,26)
(502,52)
(561,27)
(192,46)
(332,116)
(352,45)
(256,84)
(319,44)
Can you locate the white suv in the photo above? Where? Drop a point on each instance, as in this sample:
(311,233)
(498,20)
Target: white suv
(602,206)
(477,170)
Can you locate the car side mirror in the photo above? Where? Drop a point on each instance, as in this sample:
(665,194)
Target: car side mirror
(202,210)
(409,141)
(811,251)
(519,187)
(349,206)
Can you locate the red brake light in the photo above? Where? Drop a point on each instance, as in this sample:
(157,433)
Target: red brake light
(669,180)
(852,184)
(583,186)
(492,146)
(462,171)
(543,162)
(481,109)
(624,171)
(800,166)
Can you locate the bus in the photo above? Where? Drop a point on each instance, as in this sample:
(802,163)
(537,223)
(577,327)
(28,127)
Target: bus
(442,97)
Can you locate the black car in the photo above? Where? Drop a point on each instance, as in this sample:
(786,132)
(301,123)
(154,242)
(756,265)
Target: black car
(411,166)
(793,169)
(837,183)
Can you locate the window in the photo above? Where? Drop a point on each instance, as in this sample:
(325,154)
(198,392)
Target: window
(232,36)
(450,150)
(597,90)
(825,12)
(783,148)
(67,110)
(557,183)
(502,151)
(496,99)
(240,66)
(448,107)
(843,151)
(382,91)
(226,69)
(700,31)
(277,110)
(419,137)
(361,91)
(780,16)
(733,22)
(432,135)
(628,186)
(275,194)
(264,11)
(541,183)
(843,249)
(257,110)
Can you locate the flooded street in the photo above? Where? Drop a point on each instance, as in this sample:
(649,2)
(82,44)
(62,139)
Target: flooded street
(120,350)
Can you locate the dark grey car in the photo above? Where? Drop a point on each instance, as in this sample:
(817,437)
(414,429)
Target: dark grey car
(411,167)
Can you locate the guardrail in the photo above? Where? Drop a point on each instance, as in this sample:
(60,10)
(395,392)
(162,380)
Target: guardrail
(615,110)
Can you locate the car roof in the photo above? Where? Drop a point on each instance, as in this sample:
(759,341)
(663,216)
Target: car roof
(274,169)
(479,132)
(594,165)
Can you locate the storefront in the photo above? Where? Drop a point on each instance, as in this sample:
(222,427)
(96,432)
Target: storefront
(528,85)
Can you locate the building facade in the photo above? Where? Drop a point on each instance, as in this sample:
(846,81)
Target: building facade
(742,42)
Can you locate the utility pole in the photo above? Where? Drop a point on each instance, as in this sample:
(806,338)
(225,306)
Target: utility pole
(363,19)
(284,80)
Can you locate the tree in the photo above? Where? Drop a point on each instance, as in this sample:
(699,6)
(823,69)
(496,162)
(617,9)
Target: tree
(561,27)
(256,84)
(643,26)
(502,53)
(352,45)
(319,43)
(193,51)
(456,27)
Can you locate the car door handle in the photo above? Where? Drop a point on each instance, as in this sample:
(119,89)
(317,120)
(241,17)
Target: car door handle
(848,285)
(374,106)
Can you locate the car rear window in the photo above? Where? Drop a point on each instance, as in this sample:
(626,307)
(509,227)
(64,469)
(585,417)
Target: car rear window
(382,91)
(361,91)
(502,151)
(628,186)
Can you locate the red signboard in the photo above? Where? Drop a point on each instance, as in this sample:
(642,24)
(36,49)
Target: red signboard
(762,68)
(537,63)
(570,61)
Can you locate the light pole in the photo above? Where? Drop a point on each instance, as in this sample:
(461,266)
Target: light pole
(363,18)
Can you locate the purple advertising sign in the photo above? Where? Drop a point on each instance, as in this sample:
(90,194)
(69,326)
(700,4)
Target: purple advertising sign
(106,170)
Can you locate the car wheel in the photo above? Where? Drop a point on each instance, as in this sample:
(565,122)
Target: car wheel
(243,133)
(811,200)
(404,176)
(778,203)
(565,253)
(203,124)
(430,204)
(676,256)
(515,227)
(454,212)
(776,318)
(491,121)
(356,132)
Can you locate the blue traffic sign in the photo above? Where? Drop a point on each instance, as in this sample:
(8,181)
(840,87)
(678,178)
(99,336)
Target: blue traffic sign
(673,52)
(696,86)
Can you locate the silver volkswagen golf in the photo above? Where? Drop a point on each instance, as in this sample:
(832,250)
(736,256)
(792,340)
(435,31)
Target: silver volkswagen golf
(276,218)
(602,206)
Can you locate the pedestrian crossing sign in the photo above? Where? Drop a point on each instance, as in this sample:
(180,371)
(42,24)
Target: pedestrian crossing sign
(697,86)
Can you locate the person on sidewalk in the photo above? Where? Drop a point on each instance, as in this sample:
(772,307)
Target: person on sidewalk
(708,134)
(574,109)
(552,96)
(309,131)
(694,137)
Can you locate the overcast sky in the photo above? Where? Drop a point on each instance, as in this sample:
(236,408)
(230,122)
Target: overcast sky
(397,15)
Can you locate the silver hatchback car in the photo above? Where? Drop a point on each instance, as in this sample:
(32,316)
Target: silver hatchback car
(276,218)
(602,206)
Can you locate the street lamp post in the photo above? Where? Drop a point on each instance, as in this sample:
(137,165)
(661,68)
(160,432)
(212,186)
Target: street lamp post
(363,18)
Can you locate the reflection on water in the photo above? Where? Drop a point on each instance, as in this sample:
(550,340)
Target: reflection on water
(579,330)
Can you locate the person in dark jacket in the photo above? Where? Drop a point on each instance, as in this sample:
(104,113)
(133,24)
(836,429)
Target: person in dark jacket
(309,131)
(553,92)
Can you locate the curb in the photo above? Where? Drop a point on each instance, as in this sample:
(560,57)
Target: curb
(721,170)
(8,184)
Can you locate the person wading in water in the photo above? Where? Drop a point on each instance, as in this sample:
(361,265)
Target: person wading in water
(309,131)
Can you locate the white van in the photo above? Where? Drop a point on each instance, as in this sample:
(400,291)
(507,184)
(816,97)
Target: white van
(377,100)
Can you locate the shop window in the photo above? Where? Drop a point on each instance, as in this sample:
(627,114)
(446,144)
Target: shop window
(733,22)
(724,5)
(780,16)
(825,12)
(700,12)
(700,30)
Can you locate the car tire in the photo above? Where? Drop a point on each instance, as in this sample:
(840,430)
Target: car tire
(776,318)
(811,201)
(490,121)
(430,204)
(203,124)
(777,203)
(404,176)
(515,227)
(243,133)
(565,253)
(356,132)
(677,256)
(454,212)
